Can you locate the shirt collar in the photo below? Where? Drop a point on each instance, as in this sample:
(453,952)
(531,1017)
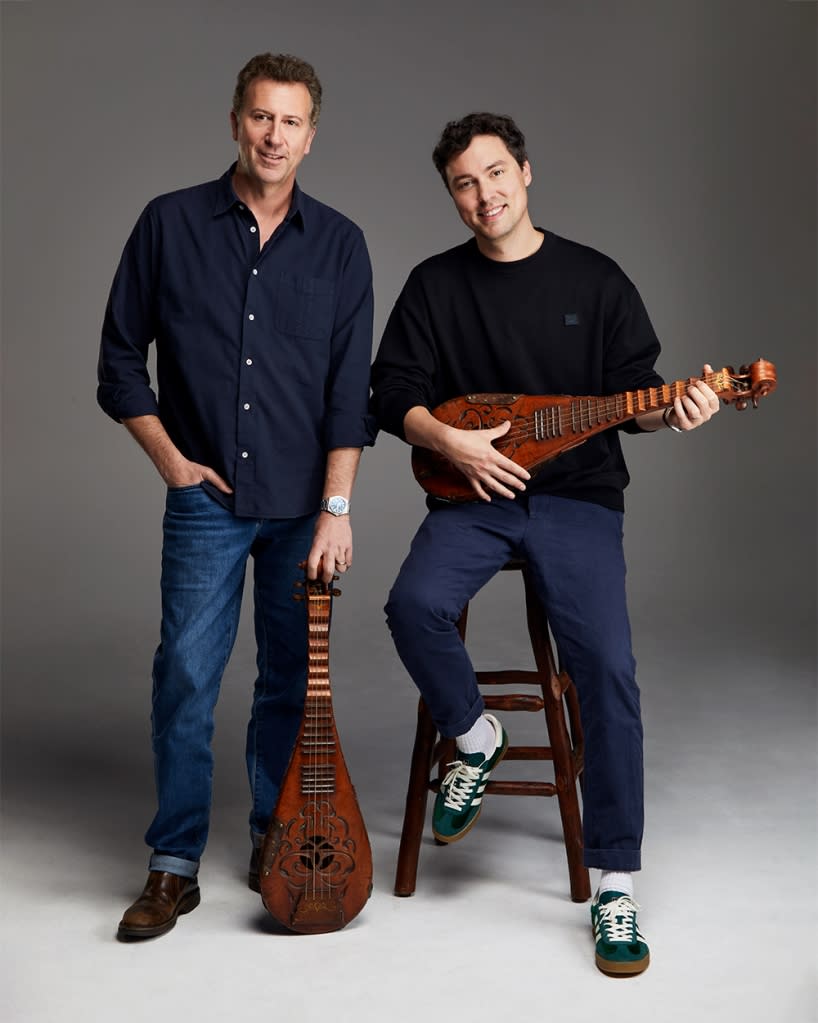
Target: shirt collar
(225,198)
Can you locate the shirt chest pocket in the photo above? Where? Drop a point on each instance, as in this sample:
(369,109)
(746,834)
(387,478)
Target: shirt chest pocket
(305,306)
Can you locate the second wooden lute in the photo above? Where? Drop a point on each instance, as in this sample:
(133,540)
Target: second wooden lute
(315,869)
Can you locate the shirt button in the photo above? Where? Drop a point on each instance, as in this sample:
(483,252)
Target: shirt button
(241,205)
(253,230)
(251,317)
(246,406)
(255,272)
(244,454)
(249,362)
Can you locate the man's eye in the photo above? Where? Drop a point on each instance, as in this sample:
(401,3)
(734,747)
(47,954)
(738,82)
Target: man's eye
(497,171)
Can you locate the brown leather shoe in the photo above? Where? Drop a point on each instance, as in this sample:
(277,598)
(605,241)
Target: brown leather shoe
(164,897)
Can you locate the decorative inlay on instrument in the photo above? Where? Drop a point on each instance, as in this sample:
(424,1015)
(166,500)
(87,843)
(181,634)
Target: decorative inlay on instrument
(543,426)
(316,863)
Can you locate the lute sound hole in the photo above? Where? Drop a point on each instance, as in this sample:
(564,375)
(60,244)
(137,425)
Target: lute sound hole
(317,853)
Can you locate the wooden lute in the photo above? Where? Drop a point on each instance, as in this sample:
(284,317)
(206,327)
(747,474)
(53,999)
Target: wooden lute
(315,869)
(543,426)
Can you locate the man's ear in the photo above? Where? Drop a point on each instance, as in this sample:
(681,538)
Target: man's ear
(309,141)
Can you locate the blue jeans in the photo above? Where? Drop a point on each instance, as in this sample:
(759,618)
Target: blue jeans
(204,555)
(574,549)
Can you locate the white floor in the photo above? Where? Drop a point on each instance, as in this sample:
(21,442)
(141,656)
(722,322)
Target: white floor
(728,889)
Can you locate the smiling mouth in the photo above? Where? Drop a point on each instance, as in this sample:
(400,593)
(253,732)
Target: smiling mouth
(492,213)
(271,159)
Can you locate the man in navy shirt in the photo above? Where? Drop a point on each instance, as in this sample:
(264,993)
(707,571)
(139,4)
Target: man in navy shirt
(259,300)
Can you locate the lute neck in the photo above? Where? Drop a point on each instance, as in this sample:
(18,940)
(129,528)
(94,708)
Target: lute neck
(579,415)
(318,684)
(318,744)
(650,399)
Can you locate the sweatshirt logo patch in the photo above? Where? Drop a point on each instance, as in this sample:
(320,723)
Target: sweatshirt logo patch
(571,319)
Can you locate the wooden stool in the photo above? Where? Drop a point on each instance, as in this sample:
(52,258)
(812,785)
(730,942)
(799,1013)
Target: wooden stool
(561,706)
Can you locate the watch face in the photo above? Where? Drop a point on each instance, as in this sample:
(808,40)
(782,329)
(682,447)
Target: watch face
(337,505)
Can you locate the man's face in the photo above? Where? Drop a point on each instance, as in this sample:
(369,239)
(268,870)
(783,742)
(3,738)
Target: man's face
(273,130)
(489,189)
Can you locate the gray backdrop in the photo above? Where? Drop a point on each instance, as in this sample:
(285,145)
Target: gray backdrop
(678,137)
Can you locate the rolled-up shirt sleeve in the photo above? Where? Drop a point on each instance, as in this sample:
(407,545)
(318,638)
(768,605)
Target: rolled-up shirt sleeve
(124,385)
(347,421)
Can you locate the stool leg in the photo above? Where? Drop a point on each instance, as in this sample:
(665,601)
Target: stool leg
(566,782)
(416,795)
(564,773)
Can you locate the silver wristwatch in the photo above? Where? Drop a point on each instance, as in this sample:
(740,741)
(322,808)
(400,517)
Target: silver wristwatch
(336,505)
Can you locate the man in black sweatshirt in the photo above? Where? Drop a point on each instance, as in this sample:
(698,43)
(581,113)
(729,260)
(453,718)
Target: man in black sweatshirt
(517,309)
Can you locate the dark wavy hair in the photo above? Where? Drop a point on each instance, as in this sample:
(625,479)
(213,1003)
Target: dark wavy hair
(279,67)
(456,138)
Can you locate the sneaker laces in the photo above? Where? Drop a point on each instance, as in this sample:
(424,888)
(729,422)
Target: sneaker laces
(459,783)
(617,920)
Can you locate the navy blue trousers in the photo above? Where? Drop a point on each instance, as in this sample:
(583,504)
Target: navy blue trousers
(574,550)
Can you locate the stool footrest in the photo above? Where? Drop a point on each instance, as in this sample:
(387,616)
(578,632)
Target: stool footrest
(529,753)
(522,788)
(511,788)
(514,701)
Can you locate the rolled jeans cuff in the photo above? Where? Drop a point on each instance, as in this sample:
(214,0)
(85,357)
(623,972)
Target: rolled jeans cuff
(174,865)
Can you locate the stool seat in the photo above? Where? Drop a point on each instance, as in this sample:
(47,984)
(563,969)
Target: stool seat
(559,703)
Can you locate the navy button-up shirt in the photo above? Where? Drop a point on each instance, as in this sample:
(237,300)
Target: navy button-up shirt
(262,356)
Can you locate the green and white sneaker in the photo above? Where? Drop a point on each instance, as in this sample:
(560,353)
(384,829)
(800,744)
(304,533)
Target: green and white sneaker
(460,799)
(620,948)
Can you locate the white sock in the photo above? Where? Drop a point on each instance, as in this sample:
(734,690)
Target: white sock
(480,738)
(616,881)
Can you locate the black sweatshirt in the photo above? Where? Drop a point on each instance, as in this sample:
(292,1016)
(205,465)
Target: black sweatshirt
(565,320)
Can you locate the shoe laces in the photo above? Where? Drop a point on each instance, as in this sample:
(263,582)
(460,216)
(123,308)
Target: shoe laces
(617,920)
(459,784)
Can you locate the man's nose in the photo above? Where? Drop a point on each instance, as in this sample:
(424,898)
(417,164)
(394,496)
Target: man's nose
(483,192)
(273,134)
